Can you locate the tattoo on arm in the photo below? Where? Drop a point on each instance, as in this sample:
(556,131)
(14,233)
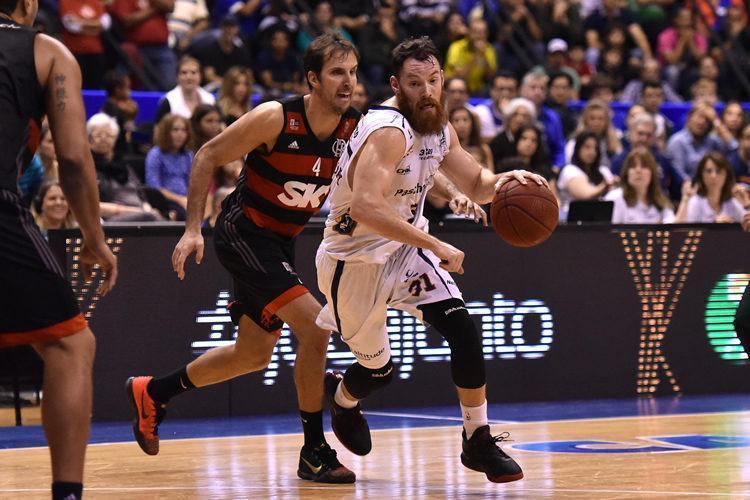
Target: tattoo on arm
(60,93)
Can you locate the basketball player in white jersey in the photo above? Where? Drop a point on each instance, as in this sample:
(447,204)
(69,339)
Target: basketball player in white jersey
(376,253)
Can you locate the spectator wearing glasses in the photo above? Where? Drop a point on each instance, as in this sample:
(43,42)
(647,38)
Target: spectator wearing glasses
(504,88)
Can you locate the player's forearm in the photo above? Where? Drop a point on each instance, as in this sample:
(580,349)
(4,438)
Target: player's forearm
(79,185)
(483,190)
(381,218)
(204,168)
(443,188)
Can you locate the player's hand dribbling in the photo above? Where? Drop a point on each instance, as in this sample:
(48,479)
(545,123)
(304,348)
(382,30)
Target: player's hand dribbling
(99,253)
(190,242)
(461,204)
(521,176)
(451,258)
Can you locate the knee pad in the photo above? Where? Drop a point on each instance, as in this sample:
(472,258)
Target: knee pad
(454,323)
(361,381)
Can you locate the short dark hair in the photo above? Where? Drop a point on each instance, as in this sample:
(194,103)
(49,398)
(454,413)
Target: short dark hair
(505,73)
(421,49)
(8,6)
(561,74)
(651,84)
(322,48)
(113,80)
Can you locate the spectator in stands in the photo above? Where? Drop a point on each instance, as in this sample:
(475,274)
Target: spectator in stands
(602,88)
(740,158)
(353,15)
(713,196)
(733,118)
(466,125)
(599,22)
(708,68)
(652,98)
(278,68)
(249,13)
(454,29)
(681,45)
(557,62)
(518,113)
(705,91)
(321,22)
(518,38)
(577,61)
(188,19)
(472,58)
(145,24)
(83,23)
(361,97)
(642,135)
(504,88)
(121,194)
(640,199)
(122,107)
(650,72)
(168,163)
(43,166)
(559,97)
(528,155)
(235,96)
(688,146)
(187,95)
(597,119)
(424,17)
(51,209)
(205,124)
(457,94)
(377,39)
(613,63)
(560,19)
(534,88)
(584,178)
(223,52)
(278,15)
(713,14)
(46,153)
(735,44)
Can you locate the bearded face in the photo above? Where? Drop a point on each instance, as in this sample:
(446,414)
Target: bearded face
(426,114)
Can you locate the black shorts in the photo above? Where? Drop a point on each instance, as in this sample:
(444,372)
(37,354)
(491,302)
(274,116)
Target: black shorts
(262,266)
(36,302)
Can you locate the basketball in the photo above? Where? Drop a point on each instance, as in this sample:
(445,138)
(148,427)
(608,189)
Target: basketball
(524,215)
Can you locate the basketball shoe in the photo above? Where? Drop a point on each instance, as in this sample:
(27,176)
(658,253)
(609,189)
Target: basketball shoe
(482,454)
(349,424)
(148,414)
(321,465)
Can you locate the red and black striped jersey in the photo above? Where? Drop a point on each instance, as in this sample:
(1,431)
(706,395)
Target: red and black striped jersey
(280,190)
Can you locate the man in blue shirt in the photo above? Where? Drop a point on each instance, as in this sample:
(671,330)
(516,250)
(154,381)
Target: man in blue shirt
(534,88)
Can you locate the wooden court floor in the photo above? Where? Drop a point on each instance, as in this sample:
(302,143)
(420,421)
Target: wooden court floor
(420,463)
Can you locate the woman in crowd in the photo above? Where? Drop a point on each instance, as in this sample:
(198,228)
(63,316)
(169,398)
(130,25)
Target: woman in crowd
(528,154)
(584,178)
(467,131)
(235,96)
(517,113)
(597,118)
(734,118)
(640,199)
(713,196)
(187,95)
(51,209)
(205,124)
(168,163)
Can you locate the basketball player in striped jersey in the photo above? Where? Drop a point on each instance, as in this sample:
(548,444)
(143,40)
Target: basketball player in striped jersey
(292,148)
(376,253)
(39,76)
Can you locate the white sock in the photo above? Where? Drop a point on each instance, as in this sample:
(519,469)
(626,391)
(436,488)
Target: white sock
(474,418)
(342,400)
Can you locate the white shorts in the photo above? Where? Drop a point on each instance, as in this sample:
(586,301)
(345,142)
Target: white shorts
(358,295)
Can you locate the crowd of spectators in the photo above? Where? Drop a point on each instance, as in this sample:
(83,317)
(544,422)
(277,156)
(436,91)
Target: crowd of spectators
(512,69)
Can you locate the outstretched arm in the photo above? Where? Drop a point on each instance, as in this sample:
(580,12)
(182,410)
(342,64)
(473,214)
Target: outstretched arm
(458,202)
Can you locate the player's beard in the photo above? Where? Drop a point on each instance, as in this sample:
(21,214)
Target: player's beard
(424,121)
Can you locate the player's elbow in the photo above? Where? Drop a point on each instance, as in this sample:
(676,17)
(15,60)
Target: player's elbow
(206,158)
(363,209)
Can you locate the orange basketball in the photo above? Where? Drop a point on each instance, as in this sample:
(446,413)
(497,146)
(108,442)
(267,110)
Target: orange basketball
(524,215)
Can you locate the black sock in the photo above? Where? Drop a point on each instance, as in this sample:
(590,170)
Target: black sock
(312,425)
(165,388)
(66,491)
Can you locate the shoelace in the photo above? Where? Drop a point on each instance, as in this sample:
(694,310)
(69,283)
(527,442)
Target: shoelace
(500,438)
(327,455)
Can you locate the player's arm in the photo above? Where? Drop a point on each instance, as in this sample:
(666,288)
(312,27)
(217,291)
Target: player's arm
(60,76)
(260,126)
(374,170)
(458,202)
(478,183)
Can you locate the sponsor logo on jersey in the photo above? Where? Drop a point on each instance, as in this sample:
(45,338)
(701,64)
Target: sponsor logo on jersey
(403,171)
(406,192)
(345,224)
(425,153)
(303,195)
(338,147)
(293,145)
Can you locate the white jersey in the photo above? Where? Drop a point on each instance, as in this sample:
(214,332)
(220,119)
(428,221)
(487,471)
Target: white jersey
(345,239)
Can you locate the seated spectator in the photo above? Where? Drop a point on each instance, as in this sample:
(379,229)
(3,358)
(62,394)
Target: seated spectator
(596,118)
(187,95)
(235,96)
(650,72)
(640,199)
(534,88)
(361,98)
(278,68)
(707,68)
(713,14)
(457,94)
(472,58)
(613,63)
(688,146)
(681,45)
(145,27)
(559,96)
(50,208)
(380,36)
(740,157)
(188,19)
(205,124)
(560,19)
(43,166)
(733,118)
(222,52)
(705,91)
(248,12)
(518,28)
(518,113)
(83,23)
(597,24)
(422,17)
(528,155)
(322,22)
(467,131)
(504,88)
(735,41)
(584,178)
(121,194)
(577,61)
(557,62)
(169,162)
(353,15)
(713,197)
(652,98)
(122,107)
(454,29)
(602,88)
